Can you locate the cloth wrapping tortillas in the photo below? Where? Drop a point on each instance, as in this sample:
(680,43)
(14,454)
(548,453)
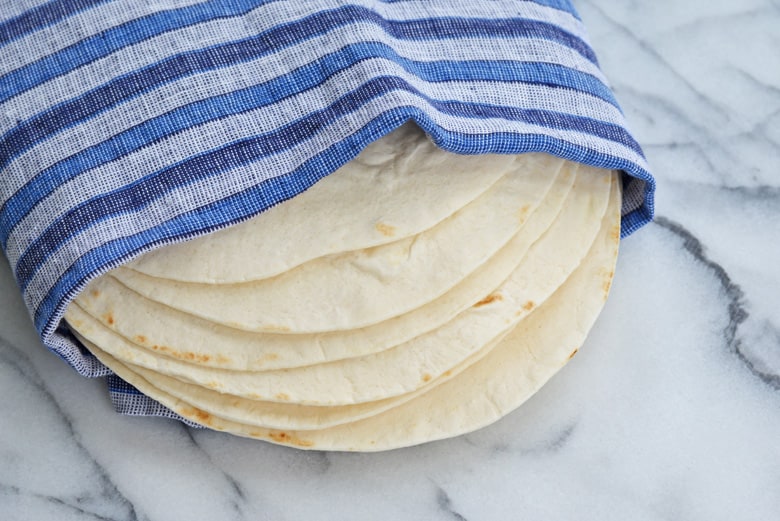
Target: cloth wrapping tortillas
(138,132)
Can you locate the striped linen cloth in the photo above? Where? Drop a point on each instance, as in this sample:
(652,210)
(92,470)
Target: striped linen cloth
(126,125)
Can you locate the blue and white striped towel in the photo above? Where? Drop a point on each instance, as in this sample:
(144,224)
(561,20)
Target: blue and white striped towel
(126,125)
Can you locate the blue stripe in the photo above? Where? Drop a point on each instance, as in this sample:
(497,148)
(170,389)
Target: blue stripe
(27,134)
(134,195)
(42,16)
(273,191)
(305,78)
(93,48)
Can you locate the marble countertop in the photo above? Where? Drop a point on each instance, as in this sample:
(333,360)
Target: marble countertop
(670,411)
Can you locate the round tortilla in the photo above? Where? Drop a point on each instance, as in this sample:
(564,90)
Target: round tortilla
(490,388)
(279,415)
(178,336)
(411,365)
(359,288)
(399,186)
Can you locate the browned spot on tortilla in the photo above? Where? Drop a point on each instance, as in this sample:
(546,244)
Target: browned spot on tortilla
(187,356)
(615,233)
(275,329)
(200,416)
(493,297)
(573,353)
(607,284)
(139,339)
(213,385)
(271,356)
(528,306)
(283,396)
(385,229)
(447,373)
(108,318)
(426,377)
(255,396)
(77,324)
(289,439)
(95,293)
(523,212)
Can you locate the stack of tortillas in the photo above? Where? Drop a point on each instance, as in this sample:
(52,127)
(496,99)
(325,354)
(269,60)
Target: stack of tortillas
(412,295)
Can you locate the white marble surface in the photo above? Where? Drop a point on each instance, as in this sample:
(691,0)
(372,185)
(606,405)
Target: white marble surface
(670,411)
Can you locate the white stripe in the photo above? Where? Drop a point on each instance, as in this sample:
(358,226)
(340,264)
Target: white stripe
(215,134)
(220,81)
(221,186)
(73,29)
(220,31)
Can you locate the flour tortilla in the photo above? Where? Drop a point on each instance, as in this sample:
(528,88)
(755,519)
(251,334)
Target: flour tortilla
(177,336)
(409,366)
(279,415)
(342,292)
(399,186)
(512,372)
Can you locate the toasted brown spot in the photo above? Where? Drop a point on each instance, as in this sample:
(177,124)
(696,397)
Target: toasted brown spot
(187,356)
(523,212)
(615,232)
(77,324)
(275,329)
(255,396)
(447,373)
(607,284)
(271,356)
(493,297)
(95,293)
(385,229)
(528,306)
(573,353)
(289,439)
(139,339)
(283,396)
(199,416)
(213,385)
(426,377)
(108,318)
